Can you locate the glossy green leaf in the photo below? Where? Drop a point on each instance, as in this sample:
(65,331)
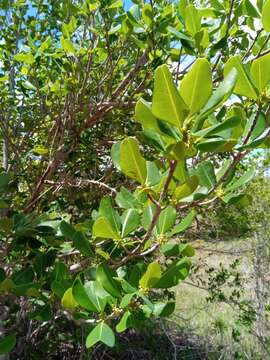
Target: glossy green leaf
(184,223)
(107,211)
(130,221)
(102,228)
(101,333)
(7,343)
(216,145)
(167,103)
(206,174)
(143,115)
(260,70)
(68,300)
(177,249)
(105,277)
(265,16)
(153,175)
(124,323)
(192,20)
(175,272)
(84,297)
(196,86)
(187,188)
(131,161)
(221,94)
(217,129)
(244,85)
(151,276)
(244,179)
(125,199)
(27,58)
(148,214)
(67,46)
(166,220)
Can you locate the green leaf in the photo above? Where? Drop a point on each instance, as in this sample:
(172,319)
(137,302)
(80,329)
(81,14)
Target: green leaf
(7,343)
(177,249)
(166,220)
(102,332)
(184,224)
(192,20)
(196,87)
(217,129)
(216,145)
(124,323)
(164,309)
(107,211)
(147,14)
(244,85)
(68,301)
(153,175)
(167,103)
(78,239)
(105,277)
(265,16)
(177,271)
(125,199)
(241,181)
(206,174)
(143,115)
(42,313)
(260,69)
(131,161)
(102,228)
(26,58)
(221,94)
(148,214)
(115,154)
(130,221)
(186,189)
(67,46)
(83,296)
(151,276)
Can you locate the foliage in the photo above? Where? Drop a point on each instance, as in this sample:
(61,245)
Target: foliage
(71,76)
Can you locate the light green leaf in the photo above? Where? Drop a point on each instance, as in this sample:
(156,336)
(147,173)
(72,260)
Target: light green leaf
(131,161)
(67,46)
(266,16)
(153,175)
(167,103)
(244,85)
(7,343)
(102,332)
(230,123)
(106,210)
(260,69)
(221,94)
(151,276)
(26,58)
(192,20)
(166,220)
(187,188)
(68,301)
(124,323)
(102,228)
(196,87)
(130,221)
(148,214)
(143,115)
(125,199)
